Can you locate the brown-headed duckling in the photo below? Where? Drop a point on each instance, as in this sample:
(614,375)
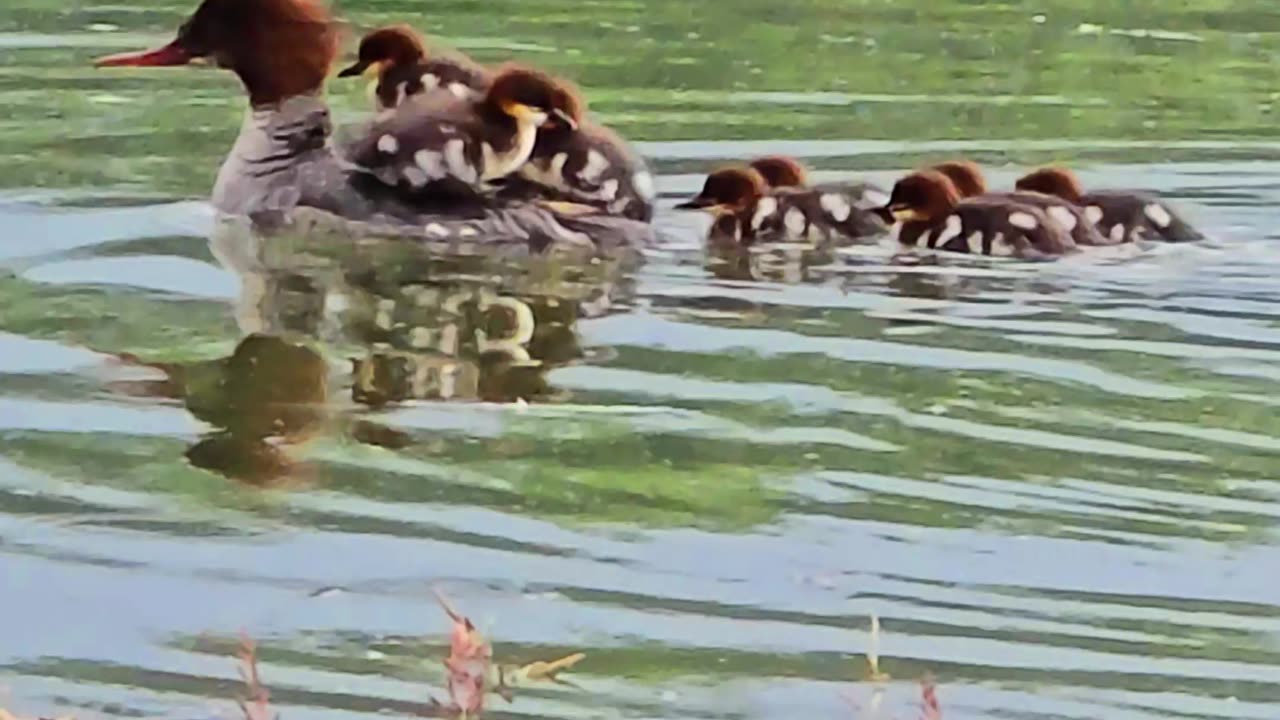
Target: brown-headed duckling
(589,164)
(405,68)
(441,144)
(1121,215)
(747,209)
(932,215)
(970,182)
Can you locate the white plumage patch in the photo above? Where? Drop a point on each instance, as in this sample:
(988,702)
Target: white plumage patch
(459,90)
(974,242)
(1093,214)
(608,189)
(1158,215)
(430,81)
(795,222)
(764,209)
(950,230)
(455,159)
(416,177)
(923,240)
(437,230)
(1000,247)
(594,167)
(468,231)
(388,144)
(643,183)
(1117,232)
(1063,217)
(1023,221)
(837,206)
(431,163)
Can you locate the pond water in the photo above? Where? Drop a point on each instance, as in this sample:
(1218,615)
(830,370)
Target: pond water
(1054,484)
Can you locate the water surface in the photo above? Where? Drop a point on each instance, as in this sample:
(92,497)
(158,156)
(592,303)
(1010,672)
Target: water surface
(1054,484)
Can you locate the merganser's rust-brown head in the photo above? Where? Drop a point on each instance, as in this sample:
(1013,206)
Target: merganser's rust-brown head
(532,96)
(780,171)
(278,48)
(965,175)
(728,190)
(387,47)
(923,196)
(1057,181)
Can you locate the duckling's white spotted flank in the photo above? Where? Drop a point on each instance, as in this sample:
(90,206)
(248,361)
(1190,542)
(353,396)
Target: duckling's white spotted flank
(1093,214)
(414,176)
(795,221)
(974,242)
(1023,221)
(950,231)
(430,163)
(389,144)
(764,210)
(1156,213)
(837,206)
(1001,247)
(1063,217)
(595,166)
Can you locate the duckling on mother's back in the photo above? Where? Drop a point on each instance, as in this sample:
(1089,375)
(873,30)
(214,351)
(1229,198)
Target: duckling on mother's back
(404,67)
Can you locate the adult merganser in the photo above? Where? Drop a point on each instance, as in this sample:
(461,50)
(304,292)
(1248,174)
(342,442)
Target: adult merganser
(1121,215)
(283,159)
(746,209)
(969,182)
(932,215)
(404,67)
(582,161)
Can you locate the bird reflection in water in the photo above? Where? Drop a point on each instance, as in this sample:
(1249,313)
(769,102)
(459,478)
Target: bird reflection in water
(334,329)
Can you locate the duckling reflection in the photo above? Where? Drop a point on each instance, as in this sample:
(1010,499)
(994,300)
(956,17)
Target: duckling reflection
(412,323)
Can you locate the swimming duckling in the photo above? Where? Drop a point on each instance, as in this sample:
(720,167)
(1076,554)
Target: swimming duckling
(404,68)
(746,210)
(933,215)
(969,182)
(589,164)
(439,144)
(1121,215)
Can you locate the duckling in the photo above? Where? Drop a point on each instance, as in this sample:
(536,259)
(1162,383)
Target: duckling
(589,164)
(746,209)
(399,57)
(969,182)
(1123,216)
(933,215)
(436,144)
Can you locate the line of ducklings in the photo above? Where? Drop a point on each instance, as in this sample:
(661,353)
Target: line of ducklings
(509,132)
(944,207)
